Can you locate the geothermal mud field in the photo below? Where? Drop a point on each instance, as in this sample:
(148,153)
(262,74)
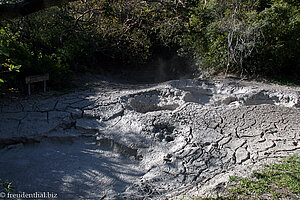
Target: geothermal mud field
(121,141)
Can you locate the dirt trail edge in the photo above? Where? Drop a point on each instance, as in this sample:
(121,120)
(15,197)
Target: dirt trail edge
(118,141)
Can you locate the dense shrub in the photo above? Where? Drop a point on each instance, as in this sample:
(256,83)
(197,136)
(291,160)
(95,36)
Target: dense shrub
(279,50)
(251,37)
(40,43)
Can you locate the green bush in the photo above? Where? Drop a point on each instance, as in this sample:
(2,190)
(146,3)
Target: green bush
(8,65)
(251,37)
(40,44)
(280,49)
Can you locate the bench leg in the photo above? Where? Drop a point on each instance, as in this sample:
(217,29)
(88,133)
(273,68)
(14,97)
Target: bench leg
(45,85)
(29,89)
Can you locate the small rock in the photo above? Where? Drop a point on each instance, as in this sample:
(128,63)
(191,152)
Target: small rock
(241,155)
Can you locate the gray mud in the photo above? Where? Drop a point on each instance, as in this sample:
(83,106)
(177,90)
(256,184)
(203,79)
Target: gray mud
(119,141)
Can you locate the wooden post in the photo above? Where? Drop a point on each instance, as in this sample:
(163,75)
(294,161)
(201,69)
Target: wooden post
(44,85)
(29,89)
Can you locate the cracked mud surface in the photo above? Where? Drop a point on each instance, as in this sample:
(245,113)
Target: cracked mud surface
(119,141)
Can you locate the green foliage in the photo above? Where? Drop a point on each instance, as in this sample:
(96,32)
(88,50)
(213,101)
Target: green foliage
(40,45)
(280,180)
(128,30)
(274,181)
(252,37)
(8,68)
(280,50)
(89,34)
(6,186)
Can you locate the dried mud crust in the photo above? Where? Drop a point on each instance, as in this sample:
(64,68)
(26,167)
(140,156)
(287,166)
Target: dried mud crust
(169,138)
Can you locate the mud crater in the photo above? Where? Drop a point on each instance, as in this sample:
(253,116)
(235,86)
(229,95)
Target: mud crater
(155,100)
(144,142)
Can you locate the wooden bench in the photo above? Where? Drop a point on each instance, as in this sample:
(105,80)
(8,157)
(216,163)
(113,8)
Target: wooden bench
(37,78)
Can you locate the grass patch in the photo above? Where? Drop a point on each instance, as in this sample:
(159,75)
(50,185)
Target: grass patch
(275,181)
(6,186)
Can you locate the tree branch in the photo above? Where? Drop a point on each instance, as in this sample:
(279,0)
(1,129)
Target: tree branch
(26,7)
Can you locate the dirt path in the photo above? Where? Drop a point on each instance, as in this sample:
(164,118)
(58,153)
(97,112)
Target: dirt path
(119,141)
